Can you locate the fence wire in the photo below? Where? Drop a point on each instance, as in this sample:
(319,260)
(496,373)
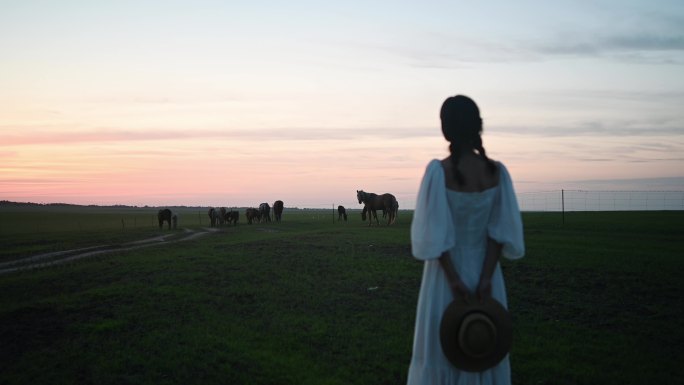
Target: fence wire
(587,200)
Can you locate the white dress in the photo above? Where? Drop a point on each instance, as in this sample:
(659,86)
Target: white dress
(459,222)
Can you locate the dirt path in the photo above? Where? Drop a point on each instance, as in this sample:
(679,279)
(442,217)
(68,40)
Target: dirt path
(58,257)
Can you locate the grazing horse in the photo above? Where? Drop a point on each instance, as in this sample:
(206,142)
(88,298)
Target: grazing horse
(264,212)
(342,213)
(375,202)
(372,213)
(165,215)
(251,214)
(278,210)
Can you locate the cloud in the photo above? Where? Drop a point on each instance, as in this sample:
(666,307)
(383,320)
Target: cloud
(10,136)
(653,35)
(643,33)
(448,52)
(654,183)
(595,128)
(35,181)
(661,131)
(455,53)
(654,49)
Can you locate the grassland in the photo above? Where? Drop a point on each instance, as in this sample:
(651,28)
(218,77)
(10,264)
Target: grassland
(597,300)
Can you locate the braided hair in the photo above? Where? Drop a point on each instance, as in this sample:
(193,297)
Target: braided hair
(462,127)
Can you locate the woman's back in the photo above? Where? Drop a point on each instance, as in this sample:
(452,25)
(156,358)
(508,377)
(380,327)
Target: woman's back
(470,213)
(470,202)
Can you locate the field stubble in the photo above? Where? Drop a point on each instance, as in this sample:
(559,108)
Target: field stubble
(597,300)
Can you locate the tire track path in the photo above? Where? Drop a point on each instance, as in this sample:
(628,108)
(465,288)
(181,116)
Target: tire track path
(59,257)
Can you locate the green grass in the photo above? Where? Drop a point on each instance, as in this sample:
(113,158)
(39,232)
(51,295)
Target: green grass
(597,300)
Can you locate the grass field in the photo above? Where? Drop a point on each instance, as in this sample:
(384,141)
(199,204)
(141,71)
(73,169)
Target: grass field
(596,300)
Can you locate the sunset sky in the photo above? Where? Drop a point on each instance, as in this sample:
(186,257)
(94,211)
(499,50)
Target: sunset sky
(231,103)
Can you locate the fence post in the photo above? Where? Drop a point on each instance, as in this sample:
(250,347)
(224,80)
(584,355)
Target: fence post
(333,212)
(563,205)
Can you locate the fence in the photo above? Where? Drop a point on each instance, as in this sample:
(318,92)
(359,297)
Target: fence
(584,200)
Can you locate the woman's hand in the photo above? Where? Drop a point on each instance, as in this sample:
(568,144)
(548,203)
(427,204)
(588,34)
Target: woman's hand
(484,289)
(459,289)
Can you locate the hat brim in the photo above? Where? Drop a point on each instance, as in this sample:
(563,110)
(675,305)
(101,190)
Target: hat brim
(449,329)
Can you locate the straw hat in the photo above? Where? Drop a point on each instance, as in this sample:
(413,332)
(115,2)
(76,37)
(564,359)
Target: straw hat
(475,335)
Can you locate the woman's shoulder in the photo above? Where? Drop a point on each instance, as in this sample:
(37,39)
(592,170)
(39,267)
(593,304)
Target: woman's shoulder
(434,166)
(433,172)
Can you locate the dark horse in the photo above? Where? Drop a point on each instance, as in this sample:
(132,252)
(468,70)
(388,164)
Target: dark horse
(395,211)
(278,210)
(251,214)
(232,217)
(264,212)
(372,213)
(373,202)
(165,215)
(342,213)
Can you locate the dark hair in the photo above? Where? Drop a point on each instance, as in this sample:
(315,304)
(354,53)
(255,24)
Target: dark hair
(462,127)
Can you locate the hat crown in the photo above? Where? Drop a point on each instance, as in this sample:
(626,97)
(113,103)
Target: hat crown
(477,335)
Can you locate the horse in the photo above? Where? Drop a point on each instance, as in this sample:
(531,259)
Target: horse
(395,209)
(166,215)
(232,216)
(375,202)
(393,213)
(214,215)
(251,214)
(264,212)
(222,215)
(372,213)
(278,210)
(342,213)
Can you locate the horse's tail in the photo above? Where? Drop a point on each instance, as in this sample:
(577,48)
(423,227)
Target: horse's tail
(391,205)
(395,210)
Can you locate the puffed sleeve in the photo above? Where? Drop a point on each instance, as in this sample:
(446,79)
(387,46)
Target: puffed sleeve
(505,223)
(432,228)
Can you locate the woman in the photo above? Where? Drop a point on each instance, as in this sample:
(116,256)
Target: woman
(466,217)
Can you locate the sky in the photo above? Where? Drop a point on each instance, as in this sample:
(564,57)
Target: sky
(233,103)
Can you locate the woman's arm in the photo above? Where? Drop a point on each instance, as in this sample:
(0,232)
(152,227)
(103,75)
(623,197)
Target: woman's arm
(458,288)
(492,255)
